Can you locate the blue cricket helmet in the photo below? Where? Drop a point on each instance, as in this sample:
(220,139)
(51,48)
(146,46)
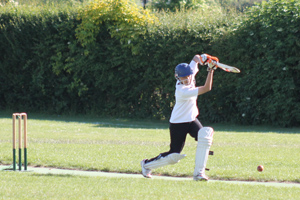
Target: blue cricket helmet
(183,70)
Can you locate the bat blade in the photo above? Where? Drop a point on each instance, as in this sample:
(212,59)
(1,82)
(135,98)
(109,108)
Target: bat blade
(228,68)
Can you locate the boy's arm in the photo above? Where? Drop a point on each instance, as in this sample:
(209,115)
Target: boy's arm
(208,83)
(209,79)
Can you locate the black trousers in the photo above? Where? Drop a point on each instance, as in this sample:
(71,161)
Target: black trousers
(178,133)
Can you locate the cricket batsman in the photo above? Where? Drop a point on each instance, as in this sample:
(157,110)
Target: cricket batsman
(184,120)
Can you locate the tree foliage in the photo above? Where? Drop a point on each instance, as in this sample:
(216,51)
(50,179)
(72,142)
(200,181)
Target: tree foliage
(113,58)
(266,47)
(122,18)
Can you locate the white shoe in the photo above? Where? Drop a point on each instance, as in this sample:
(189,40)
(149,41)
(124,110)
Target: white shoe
(200,177)
(146,172)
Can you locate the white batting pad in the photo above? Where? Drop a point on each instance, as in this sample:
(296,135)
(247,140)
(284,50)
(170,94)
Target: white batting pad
(170,159)
(205,137)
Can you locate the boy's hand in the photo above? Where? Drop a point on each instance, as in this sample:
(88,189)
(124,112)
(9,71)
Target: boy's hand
(206,59)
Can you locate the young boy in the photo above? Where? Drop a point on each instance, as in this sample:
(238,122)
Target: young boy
(184,119)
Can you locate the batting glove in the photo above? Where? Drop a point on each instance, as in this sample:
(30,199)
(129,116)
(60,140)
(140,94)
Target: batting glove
(206,59)
(212,65)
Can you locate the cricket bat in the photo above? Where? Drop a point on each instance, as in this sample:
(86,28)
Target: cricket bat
(228,68)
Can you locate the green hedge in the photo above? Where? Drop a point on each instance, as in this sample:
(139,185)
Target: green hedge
(30,41)
(266,47)
(61,61)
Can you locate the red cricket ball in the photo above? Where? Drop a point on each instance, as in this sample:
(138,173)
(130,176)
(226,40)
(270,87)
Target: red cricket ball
(260,168)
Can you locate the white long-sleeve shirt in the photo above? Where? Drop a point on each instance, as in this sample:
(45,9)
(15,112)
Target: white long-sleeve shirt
(185,109)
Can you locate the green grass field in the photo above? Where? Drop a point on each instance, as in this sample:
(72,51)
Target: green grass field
(118,145)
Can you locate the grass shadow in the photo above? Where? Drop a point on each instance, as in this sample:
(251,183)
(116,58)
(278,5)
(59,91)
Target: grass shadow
(109,122)
(54,175)
(97,121)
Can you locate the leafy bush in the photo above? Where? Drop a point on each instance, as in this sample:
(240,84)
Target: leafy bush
(266,47)
(112,58)
(124,20)
(240,5)
(174,5)
(30,38)
(209,5)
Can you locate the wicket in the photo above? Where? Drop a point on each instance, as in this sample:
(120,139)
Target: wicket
(20,116)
